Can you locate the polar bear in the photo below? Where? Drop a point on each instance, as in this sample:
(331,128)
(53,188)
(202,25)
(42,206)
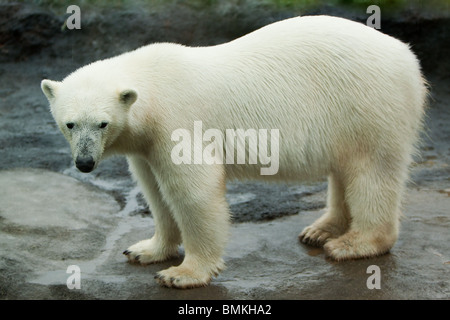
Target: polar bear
(348,102)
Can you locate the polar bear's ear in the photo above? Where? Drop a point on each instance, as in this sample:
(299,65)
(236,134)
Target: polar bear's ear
(49,88)
(128,97)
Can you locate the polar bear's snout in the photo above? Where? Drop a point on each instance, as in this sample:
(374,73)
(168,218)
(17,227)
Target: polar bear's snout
(87,142)
(87,147)
(85,164)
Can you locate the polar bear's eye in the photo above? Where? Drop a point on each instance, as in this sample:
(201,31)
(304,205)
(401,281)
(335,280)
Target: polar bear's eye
(103,125)
(70,125)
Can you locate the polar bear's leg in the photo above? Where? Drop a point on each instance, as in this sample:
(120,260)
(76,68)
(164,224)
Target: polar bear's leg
(197,197)
(164,243)
(373,193)
(334,222)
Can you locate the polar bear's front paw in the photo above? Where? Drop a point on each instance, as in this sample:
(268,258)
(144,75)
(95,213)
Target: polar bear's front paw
(149,251)
(314,236)
(177,277)
(357,245)
(327,227)
(187,275)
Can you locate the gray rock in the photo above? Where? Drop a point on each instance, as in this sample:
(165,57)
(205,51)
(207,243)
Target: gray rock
(50,221)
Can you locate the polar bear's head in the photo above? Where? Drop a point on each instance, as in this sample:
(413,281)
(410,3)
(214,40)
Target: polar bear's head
(91,116)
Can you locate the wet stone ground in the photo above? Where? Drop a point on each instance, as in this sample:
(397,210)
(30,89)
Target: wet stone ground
(52,216)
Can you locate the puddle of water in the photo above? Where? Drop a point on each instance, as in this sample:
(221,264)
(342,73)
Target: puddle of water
(131,203)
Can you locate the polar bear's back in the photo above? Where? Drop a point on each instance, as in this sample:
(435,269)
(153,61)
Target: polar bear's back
(312,60)
(328,57)
(332,87)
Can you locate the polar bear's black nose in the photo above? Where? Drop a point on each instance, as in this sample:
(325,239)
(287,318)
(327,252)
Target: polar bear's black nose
(85,164)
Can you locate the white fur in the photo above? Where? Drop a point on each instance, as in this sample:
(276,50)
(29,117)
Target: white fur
(348,102)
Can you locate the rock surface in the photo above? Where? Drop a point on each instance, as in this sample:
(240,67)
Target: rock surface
(44,230)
